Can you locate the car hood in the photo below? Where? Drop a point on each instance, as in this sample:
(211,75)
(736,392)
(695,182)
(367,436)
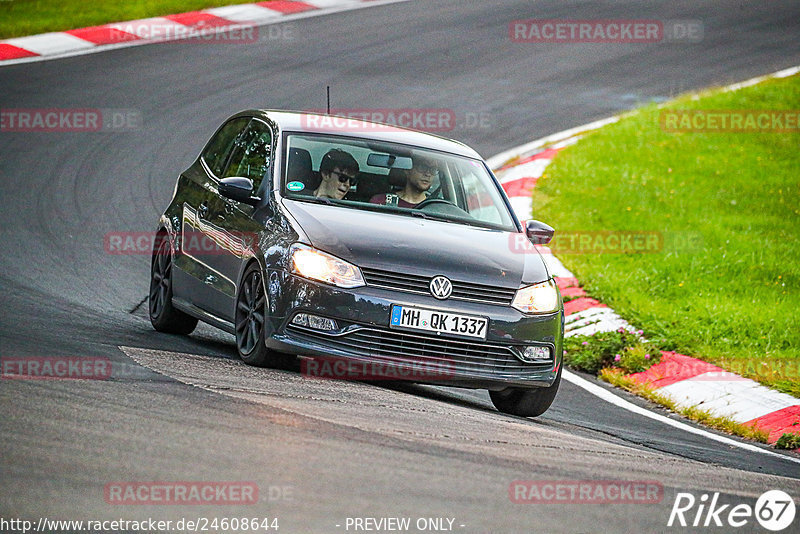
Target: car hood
(414,245)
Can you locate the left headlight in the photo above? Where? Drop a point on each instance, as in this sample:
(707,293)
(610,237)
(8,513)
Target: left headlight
(317,265)
(538,298)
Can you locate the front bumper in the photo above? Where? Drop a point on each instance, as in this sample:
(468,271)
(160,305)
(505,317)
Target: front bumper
(363,335)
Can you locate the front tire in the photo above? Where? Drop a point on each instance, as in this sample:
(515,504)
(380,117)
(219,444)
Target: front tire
(163,316)
(251,318)
(526,402)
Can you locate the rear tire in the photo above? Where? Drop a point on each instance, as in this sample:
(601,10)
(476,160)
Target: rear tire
(526,402)
(250,320)
(163,316)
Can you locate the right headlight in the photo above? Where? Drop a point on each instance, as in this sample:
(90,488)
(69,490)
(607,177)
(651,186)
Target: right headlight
(317,265)
(538,298)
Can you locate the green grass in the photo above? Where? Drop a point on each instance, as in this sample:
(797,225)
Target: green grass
(788,441)
(731,296)
(28,17)
(619,350)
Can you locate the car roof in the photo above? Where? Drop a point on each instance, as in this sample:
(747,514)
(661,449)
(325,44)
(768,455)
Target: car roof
(295,121)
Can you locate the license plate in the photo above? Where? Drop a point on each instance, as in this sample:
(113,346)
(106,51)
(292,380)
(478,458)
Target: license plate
(437,321)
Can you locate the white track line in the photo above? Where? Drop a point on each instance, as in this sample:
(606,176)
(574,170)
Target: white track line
(498,159)
(611,398)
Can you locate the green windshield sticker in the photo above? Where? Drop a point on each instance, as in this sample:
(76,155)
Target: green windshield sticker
(295,186)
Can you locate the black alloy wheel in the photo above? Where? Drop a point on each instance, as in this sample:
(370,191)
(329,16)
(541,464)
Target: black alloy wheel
(163,315)
(250,319)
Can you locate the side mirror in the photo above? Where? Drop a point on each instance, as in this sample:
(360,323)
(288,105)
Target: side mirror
(238,189)
(538,232)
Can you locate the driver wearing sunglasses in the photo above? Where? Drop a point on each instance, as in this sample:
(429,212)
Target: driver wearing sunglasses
(419,179)
(339,171)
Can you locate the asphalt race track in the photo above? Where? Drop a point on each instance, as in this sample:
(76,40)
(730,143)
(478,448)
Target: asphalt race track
(186,409)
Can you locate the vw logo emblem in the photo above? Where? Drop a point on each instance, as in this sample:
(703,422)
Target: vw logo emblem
(441,287)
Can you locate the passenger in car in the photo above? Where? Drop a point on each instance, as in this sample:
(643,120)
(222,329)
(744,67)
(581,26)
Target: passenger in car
(419,179)
(338,171)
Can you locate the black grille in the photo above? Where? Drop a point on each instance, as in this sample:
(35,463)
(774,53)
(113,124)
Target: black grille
(390,346)
(419,284)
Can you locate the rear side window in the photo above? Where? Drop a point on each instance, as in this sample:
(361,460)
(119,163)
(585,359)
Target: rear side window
(219,147)
(251,156)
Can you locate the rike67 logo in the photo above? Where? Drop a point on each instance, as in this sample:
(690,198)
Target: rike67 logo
(774,510)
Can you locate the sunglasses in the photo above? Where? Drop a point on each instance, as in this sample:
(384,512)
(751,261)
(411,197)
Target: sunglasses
(426,170)
(344,178)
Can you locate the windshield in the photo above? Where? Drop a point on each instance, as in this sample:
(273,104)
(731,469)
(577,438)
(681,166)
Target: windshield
(381,176)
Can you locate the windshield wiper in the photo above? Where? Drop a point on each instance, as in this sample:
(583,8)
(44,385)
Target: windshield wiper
(458,220)
(423,215)
(316,200)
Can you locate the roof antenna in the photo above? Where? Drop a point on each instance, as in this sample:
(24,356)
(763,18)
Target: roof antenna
(329,99)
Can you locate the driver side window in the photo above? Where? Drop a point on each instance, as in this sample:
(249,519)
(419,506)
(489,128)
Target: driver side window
(252,153)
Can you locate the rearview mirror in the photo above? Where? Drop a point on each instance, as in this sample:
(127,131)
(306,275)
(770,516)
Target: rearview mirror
(239,189)
(388,161)
(538,232)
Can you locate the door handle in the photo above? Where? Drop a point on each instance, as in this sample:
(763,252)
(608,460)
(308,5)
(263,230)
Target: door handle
(202,210)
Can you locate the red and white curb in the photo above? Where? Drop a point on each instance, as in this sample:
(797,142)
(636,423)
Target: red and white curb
(194,25)
(692,382)
(688,381)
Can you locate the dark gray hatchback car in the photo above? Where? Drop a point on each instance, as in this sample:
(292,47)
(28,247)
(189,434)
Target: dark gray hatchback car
(370,251)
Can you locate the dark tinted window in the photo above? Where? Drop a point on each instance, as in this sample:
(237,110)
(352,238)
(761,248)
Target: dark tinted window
(252,153)
(218,149)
